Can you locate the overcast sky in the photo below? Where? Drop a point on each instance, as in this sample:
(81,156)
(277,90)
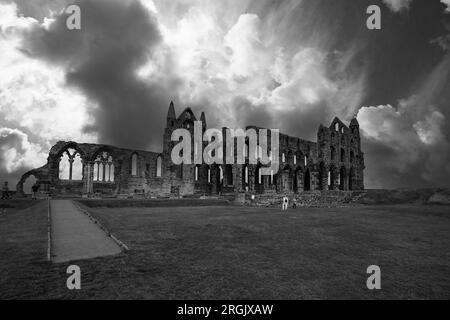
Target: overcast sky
(280,64)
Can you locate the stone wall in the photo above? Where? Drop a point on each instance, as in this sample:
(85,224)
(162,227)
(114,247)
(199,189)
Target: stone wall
(334,162)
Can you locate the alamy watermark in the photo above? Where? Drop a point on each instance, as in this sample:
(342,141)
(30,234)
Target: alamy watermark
(74,280)
(251,147)
(73,21)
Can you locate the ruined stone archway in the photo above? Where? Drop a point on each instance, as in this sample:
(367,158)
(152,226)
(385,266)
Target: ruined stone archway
(28,184)
(70,165)
(298,180)
(40,175)
(57,151)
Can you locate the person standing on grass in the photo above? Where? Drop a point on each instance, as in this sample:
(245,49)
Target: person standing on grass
(5,191)
(35,189)
(294,203)
(285,203)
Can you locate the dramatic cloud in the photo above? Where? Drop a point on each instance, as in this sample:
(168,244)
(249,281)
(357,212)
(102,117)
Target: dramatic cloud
(101,60)
(398,5)
(34,98)
(17,152)
(237,68)
(286,64)
(408,145)
(447,3)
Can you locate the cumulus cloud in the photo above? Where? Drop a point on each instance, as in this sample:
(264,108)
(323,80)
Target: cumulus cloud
(33,98)
(447,3)
(429,129)
(229,61)
(101,60)
(17,152)
(408,144)
(398,5)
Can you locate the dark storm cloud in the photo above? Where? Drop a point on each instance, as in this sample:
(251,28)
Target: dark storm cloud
(414,149)
(101,59)
(394,56)
(297,123)
(399,62)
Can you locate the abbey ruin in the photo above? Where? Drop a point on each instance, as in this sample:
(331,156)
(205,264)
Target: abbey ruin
(334,162)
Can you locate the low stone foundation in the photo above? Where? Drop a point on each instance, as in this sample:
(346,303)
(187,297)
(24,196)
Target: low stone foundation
(308,199)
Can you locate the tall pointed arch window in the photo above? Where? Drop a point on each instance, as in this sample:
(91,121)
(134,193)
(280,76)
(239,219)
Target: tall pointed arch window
(159,167)
(104,168)
(134,160)
(71,166)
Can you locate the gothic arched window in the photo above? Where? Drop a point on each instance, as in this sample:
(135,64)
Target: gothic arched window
(342,155)
(159,167)
(333,153)
(71,166)
(104,168)
(134,159)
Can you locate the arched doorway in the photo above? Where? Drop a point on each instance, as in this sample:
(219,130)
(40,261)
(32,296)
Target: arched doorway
(259,180)
(351,177)
(229,175)
(332,175)
(342,179)
(295,183)
(307,180)
(298,178)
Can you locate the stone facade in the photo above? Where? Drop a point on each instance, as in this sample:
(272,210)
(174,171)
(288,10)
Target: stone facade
(334,162)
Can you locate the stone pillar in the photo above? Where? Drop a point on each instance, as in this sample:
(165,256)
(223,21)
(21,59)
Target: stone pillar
(88,177)
(71,160)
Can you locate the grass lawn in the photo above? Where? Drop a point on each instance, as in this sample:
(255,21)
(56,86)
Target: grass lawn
(23,248)
(247,253)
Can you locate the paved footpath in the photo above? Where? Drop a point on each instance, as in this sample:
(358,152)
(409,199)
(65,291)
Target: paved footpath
(75,236)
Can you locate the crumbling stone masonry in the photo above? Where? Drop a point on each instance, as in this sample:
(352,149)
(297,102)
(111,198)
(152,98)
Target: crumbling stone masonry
(334,162)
